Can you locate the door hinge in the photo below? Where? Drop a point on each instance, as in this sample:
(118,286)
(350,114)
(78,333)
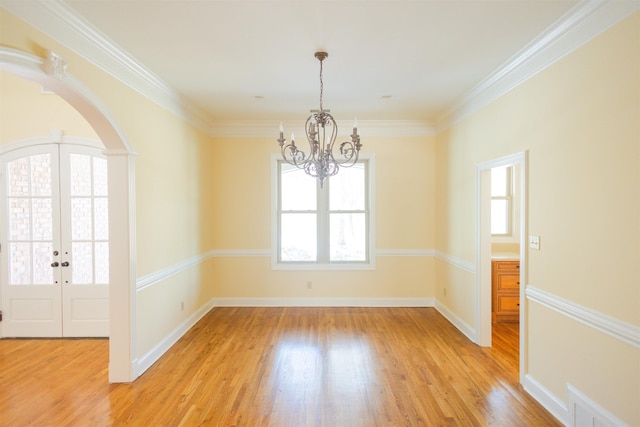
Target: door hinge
(0,315)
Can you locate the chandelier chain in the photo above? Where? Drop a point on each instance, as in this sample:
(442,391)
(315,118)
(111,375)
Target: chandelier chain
(321,86)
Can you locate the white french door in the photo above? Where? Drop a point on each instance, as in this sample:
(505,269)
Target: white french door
(55,248)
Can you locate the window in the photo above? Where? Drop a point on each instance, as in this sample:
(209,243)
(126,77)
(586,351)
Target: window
(501,198)
(323,228)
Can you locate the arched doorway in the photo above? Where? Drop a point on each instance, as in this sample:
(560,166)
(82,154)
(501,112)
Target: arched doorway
(51,73)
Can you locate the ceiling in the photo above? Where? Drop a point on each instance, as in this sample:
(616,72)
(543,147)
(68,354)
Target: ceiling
(394,60)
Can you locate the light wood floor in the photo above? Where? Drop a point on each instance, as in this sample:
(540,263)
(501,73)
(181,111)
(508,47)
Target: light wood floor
(346,367)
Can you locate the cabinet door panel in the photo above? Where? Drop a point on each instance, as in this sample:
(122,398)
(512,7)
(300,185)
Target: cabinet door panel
(508,283)
(508,304)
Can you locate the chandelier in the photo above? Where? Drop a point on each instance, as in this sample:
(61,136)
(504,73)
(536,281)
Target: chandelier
(321,129)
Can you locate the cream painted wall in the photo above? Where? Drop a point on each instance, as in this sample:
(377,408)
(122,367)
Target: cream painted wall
(241,195)
(170,195)
(395,277)
(27,112)
(579,120)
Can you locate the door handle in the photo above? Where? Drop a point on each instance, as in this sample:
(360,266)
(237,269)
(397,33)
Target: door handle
(54,264)
(65,264)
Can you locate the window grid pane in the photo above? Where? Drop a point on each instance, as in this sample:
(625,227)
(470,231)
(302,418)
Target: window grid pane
(348,237)
(347,189)
(298,239)
(499,216)
(298,190)
(500,181)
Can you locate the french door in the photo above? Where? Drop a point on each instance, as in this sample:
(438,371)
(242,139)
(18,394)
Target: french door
(55,248)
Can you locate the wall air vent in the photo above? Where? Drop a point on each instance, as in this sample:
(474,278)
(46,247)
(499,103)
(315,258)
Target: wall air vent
(584,412)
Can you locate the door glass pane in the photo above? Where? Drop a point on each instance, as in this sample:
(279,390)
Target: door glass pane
(348,189)
(99,177)
(80,168)
(41,175)
(42,270)
(298,189)
(81,218)
(82,263)
(101,218)
(19,219)
(18,172)
(102,262)
(348,237)
(42,219)
(298,240)
(20,261)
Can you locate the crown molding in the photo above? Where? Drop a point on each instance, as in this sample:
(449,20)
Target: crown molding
(366,128)
(56,19)
(581,24)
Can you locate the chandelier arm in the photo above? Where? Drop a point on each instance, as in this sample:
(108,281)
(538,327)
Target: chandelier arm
(292,155)
(349,154)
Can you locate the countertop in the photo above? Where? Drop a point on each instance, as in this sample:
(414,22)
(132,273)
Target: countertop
(505,256)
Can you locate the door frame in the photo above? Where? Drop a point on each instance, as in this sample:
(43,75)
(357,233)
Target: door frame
(483,252)
(51,72)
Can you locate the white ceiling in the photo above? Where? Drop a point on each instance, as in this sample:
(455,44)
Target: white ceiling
(388,59)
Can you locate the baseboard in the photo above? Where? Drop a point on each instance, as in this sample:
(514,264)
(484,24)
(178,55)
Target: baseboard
(547,399)
(145,362)
(462,326)
(323,302)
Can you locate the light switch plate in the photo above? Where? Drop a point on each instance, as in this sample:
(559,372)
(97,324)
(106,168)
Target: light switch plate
(534,242)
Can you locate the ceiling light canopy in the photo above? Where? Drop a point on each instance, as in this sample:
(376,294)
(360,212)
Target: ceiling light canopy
(321,129)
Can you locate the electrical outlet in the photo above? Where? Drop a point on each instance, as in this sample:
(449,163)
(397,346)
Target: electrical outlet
(182,305)
(309,285)
(445,292)
(534,242)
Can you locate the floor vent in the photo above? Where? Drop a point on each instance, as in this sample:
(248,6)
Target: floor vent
(584,412)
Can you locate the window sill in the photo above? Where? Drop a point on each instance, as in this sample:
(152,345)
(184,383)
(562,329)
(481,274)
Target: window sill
(303,266)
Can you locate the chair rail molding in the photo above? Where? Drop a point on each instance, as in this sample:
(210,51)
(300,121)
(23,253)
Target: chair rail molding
(615,328)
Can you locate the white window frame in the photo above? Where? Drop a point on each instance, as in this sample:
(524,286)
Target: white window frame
(277,264)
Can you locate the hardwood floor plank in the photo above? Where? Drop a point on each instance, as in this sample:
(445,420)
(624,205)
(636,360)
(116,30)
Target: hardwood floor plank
(289,366)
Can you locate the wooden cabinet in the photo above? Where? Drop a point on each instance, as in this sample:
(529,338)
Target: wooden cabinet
(505,285)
